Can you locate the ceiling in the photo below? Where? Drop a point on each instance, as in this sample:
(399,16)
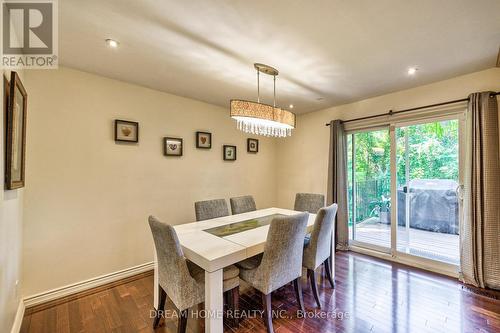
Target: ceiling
(328,52)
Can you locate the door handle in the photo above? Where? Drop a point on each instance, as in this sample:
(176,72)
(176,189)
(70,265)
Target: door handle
(460,191)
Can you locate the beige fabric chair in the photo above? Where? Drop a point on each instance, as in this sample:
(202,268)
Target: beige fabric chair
(317,250)
(281,262)
(210,209)
(181,280)
(242,204)
(309,202)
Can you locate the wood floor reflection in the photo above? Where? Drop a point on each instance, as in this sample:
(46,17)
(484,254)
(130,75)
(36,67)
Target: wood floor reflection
(371,295)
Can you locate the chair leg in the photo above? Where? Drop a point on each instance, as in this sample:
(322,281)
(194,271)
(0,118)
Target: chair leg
(235,294)
(268,315)
(329,273)
(298,293)
(160,310)
(312,276)
(182,322)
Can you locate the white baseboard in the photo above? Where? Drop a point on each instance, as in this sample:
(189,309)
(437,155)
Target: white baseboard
(70,289)
(16,326)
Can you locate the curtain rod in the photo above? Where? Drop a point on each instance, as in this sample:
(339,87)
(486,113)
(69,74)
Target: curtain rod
(390,113)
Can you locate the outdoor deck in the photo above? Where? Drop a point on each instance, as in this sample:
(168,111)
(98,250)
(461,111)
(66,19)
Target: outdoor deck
(428,244)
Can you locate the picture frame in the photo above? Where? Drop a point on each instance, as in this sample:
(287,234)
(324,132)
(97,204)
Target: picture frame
(203,140)
(229,153)
(16,102)
(173,146)
(126,131)
(252,145)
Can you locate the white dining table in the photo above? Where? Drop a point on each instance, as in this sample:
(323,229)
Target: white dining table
(213,253)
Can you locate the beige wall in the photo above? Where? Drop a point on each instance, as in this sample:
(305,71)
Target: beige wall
(11,223)
(303,158)
(87,198)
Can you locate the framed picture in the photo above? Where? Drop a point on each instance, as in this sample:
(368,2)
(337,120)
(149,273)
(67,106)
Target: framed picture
(229,153)
(15,135)
(252,145)
(172,146)
(126,131)
(203,140)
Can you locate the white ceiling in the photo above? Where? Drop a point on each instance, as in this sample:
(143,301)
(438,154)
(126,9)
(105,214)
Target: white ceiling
(328,52)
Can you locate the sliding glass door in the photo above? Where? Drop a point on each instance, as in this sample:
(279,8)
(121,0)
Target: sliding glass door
(369,187)
(427,161)
(413,210)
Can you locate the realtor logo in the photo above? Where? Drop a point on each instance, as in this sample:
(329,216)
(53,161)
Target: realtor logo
(29,34)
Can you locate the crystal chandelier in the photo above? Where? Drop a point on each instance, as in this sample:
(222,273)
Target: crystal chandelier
(262,119)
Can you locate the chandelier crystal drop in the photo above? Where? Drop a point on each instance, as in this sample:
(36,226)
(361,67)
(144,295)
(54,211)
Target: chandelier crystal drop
(262,119)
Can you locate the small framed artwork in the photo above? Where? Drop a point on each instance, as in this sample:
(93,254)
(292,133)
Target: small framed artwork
(15,135)
(126,131)
(203,140)
(172,146)
(229,153)
(252,145)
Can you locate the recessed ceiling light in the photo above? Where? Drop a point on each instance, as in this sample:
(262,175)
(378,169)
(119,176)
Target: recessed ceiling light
(291,106)
(112,43)
(412,70)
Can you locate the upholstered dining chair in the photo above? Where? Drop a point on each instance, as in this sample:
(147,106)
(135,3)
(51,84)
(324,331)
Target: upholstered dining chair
(210,209)
(318,248)
(281,262)
(309,202)
(182,281)
(242,204)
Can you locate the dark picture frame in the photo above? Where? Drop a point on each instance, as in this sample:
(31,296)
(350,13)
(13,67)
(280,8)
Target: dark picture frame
(227,155)
(252,146)
(15,132)
(121,136)
(173,151)
(199,140)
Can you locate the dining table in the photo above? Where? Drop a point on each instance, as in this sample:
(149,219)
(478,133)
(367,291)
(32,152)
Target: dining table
(220,242)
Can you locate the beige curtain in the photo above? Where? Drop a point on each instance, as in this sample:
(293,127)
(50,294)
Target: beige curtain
(337,181)
(480,229)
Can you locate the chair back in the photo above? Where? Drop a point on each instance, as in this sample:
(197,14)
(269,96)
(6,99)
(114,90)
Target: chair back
(210,209)
(242,204)
(173,273)
(309,202)
(282,259)
(319,247)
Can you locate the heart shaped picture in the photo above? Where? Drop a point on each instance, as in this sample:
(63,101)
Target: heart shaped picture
(126,131)
(203,140)
(172,147)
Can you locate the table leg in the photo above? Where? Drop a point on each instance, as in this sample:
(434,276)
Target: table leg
(213,302)
(155,282)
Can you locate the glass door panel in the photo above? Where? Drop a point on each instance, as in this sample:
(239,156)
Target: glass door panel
(369,185)
(427,162)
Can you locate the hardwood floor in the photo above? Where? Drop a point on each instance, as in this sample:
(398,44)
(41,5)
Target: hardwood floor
(373,296)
